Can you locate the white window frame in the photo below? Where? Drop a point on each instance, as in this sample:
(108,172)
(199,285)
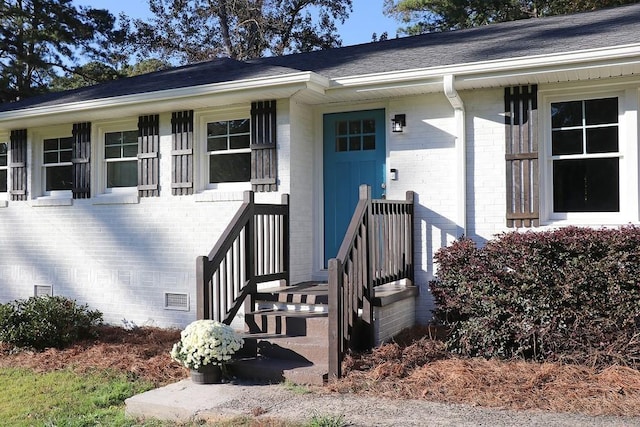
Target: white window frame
(627,155)
(202,119)
(45,166)
(100,176)
(39,176)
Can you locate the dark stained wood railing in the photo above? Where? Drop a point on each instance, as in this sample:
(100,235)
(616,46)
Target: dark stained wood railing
(253,249)
(377,249)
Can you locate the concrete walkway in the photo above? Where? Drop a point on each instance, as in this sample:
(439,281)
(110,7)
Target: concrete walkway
(185,401)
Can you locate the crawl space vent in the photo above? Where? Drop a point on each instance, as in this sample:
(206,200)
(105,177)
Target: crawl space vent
(43,290)
(174,301)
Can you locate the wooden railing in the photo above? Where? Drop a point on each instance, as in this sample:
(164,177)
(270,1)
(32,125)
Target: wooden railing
(253,249)
(377,249)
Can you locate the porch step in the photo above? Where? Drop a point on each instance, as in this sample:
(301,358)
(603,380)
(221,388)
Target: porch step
(288,335)
(294,311)
(273,370)
(313,293)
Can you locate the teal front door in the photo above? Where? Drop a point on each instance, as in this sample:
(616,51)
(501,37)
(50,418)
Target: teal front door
(354,154)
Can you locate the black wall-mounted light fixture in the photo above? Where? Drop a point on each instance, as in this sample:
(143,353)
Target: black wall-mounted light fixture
(398,122)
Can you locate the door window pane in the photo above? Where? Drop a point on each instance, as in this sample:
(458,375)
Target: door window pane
(369,142)
(355,135)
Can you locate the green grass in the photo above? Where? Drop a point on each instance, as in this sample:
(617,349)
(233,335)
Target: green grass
(65,398)
(68,399)
(326,421)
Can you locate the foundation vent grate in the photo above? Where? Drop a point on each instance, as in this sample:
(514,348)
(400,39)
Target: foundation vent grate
(176,301)
(43,290)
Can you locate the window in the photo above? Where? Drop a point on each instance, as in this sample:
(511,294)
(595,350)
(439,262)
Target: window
(355,135)
(228,148)
(121,158)
(585,155)
(56,161)
(4,163)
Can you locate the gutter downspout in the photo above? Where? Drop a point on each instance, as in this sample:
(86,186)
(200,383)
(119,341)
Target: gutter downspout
(461,148)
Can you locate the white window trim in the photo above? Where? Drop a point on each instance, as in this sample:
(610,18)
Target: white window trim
(46,198)
(200,143)
(627,152)
(99,174)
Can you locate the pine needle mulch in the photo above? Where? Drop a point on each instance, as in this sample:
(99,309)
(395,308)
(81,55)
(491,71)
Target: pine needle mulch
(424,370)
(410,368)
(140,352)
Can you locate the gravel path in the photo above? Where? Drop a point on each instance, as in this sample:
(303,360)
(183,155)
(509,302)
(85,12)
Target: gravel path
(185,401)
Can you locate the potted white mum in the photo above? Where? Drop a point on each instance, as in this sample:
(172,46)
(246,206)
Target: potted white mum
(204,347)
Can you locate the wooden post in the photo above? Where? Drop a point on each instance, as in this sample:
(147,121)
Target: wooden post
(335,316)
(203,293)
(364,192)
(411,196)
(249,254)
(286,254)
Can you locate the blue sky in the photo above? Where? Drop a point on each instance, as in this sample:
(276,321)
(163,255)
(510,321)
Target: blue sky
(365,19)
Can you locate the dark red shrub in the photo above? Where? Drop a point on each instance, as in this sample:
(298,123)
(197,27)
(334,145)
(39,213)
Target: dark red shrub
(568,294)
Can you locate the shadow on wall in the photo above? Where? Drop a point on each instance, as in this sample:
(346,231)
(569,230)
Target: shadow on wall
(433,231)
(119,259)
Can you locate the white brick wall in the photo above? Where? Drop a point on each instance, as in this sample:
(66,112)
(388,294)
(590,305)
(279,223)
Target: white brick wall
(122,258)
(301,164)
(425,157)
(486,173)
(119,259)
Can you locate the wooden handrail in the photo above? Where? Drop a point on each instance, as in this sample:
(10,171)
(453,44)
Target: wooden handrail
(254,248)
(377,249)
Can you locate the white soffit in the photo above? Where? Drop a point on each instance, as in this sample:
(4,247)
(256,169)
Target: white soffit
(582,65)
(189,98)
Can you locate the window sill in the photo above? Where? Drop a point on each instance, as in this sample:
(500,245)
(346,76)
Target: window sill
(117,199)
(599,221)
(220,196)
(51,201)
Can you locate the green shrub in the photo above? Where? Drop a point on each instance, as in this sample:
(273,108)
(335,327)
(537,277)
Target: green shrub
(572,294)
(44,322)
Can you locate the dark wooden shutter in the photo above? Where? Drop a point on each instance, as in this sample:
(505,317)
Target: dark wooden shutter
(521,120)
(148,147)
(182,153)
(264,165)
(81,160)
(18,164)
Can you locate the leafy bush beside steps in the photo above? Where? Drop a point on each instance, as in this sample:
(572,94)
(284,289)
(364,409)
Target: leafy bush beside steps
(45,322)
(571,294)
